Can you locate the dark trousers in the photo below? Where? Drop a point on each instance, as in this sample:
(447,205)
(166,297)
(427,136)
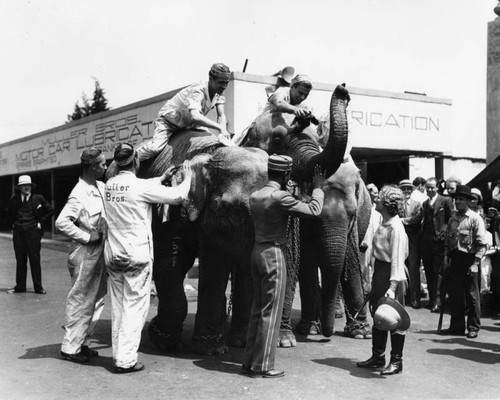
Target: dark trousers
(269,283)
(413,264)
(432,256)
(27,244)
(463,290)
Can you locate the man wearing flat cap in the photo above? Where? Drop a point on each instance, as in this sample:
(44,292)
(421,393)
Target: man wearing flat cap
(83,221)
(411,216)
(290,99)
(26,212)
(270,208)
(128,252)
(188,110)
(465,246)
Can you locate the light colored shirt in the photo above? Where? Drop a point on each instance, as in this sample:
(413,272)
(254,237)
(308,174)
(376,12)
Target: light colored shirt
(129,201)
(419,196)
(390,244)
(177,110)
(82,212)
(280,94)
(466,233)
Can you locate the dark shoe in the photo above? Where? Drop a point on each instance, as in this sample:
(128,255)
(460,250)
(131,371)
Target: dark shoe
(15,290)
(452,332)
(435,310)
(78,358)
(87,351)
(272,373)
(394,367)
(373,362)
(472,334)
(416,305)
(246,370)
(135,368)
(41,291)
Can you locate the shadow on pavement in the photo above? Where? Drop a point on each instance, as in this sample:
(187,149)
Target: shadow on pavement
(54,351)
(474,355)
(349,365)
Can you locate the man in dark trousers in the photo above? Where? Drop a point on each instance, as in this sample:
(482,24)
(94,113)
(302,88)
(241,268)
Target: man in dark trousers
(436,211)
(270,208)
(465,246)
(26,212)
(411,216)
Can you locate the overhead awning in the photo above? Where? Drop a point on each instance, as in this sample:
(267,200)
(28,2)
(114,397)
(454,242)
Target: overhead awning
(490,173)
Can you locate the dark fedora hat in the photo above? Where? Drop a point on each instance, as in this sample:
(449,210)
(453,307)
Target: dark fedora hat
(464,191)
(390,315)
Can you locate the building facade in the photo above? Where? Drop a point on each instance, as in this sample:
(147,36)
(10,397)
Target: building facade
(393,136)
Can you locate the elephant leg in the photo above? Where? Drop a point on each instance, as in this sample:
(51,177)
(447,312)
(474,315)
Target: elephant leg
(174,256)
(310,290)
(241,299)
(353,291)
(332,258)
(215,266)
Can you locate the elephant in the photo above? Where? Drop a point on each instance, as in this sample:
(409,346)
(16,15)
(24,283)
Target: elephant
(215,224)
(332,243)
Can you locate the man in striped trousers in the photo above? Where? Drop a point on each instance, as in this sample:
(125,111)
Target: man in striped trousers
(270,208)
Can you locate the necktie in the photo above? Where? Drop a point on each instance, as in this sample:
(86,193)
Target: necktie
(25,199)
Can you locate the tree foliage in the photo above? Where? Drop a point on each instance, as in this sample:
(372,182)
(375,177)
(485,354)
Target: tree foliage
(98,104)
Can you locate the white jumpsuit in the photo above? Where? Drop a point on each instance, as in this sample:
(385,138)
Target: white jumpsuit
(83,213)
(129,255)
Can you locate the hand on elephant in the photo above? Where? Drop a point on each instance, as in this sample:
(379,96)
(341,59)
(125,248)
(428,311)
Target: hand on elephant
(167,176)
(318,178)
(187,172)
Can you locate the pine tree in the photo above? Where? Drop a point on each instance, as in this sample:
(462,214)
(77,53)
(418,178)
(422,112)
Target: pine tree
(98,104)
(77,113)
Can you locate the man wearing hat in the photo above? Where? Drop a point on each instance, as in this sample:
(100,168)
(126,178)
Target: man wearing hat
(465,246)
(83,221)
(289,99)
(128,252)
(270,208)
(411,216)
(188,110)
(26,212)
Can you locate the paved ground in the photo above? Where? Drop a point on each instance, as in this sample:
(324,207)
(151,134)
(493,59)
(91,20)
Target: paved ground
(435,367)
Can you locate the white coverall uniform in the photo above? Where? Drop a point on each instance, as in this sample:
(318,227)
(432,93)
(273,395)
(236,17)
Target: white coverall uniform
(129,255)
(85,208)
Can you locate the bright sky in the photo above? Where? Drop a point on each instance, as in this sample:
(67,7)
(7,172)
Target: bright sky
(51,49)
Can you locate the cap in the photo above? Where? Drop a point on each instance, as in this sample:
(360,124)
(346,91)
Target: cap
(279,163)
(464,191)
(25,180)
(301,79)
(124,154)
(90,156)
(220,71)
(406,183)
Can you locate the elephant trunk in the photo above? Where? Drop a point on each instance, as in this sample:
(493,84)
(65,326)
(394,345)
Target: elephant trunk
(306,157)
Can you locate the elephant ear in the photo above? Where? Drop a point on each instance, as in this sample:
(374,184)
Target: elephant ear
(200,183)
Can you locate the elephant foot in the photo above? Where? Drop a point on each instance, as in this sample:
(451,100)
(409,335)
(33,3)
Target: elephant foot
(358,330)
(163,341)
(237,337)
(308,328)
(286,338)
(209,345)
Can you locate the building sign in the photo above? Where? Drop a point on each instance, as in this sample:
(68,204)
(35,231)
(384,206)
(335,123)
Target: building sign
(63,146)
(399,122)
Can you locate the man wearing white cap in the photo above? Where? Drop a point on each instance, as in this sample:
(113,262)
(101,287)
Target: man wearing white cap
(270,208)
(27,211)
(188,110)
(128,252)
(289,99)
(83,220)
